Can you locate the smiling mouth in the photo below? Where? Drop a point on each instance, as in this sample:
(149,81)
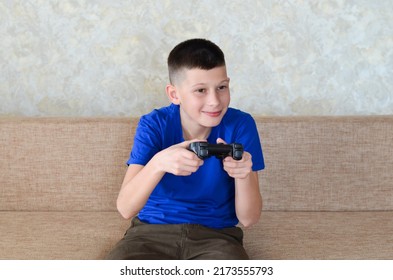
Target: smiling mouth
(213,114)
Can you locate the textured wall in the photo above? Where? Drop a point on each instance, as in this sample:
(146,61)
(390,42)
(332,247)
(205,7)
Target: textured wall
(293,57)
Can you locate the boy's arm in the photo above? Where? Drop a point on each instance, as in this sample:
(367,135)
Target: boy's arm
(248,199)
(140,181)
(138,184)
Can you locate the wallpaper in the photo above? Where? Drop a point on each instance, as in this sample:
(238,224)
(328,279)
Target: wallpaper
(108,58)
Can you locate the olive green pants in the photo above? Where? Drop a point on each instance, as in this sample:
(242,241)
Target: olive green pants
(178,242)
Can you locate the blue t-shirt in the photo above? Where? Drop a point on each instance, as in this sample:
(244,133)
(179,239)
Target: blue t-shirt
(206,197)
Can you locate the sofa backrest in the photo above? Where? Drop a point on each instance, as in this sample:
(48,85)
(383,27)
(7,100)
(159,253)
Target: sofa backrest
(312,163)
(63,164)
(327,163)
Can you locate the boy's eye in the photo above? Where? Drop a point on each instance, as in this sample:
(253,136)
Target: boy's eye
(201,90)
(222,88)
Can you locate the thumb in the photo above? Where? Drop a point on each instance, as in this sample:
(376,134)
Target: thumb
(187,143)
(220,141)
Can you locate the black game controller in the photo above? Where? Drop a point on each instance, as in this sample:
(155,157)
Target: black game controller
(204,150)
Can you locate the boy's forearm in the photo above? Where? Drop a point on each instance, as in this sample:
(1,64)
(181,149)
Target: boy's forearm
(135,192)
(140,182)
(248,200)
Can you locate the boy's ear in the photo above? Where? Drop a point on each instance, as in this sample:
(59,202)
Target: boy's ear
(171,92)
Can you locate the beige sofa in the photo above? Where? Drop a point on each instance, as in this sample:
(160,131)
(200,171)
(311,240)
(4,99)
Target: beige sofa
(327,188)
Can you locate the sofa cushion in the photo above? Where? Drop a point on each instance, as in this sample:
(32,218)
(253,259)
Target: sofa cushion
(279,235)
(340,163)
(312,163)
(59,235)
(62,164)
(322,235)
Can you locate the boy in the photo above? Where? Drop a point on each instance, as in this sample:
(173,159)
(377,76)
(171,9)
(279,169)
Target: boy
(186,207)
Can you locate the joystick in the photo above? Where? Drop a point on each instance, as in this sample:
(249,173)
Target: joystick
(204,150)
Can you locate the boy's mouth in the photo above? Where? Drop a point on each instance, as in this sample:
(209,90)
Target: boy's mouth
(213,114)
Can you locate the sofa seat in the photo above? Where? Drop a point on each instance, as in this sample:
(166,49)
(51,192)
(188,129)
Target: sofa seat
(59,235)
(279,235)
(322,235)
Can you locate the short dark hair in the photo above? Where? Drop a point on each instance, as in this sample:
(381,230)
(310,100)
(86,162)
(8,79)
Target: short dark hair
(194,53)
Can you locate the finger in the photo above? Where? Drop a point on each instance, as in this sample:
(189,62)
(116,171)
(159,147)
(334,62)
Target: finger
(232,165)
(230,162)
(185,169)
(191,168)
(187,143)
(246,157)
(220,141)
(238,172)
(191,155)
(192,162)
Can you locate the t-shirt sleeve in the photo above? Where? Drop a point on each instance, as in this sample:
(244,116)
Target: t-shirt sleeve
(146,142)
(247,134)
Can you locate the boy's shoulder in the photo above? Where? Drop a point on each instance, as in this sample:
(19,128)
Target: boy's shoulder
(236,115)
(162,115)
(237,112)
(162,112)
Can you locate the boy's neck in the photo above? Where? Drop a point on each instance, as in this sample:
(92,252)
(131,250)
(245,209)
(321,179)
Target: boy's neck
(192,129)
(201,134)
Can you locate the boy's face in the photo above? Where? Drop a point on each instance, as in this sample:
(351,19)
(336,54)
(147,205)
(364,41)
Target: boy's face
(203,96)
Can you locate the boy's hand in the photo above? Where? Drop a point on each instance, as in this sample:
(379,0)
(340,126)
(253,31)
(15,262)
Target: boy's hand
(238,169)
(178,160)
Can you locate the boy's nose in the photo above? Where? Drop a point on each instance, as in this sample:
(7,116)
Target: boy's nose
(213,99)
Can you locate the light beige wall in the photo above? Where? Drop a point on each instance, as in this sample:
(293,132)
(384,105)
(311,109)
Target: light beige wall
(98,58)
